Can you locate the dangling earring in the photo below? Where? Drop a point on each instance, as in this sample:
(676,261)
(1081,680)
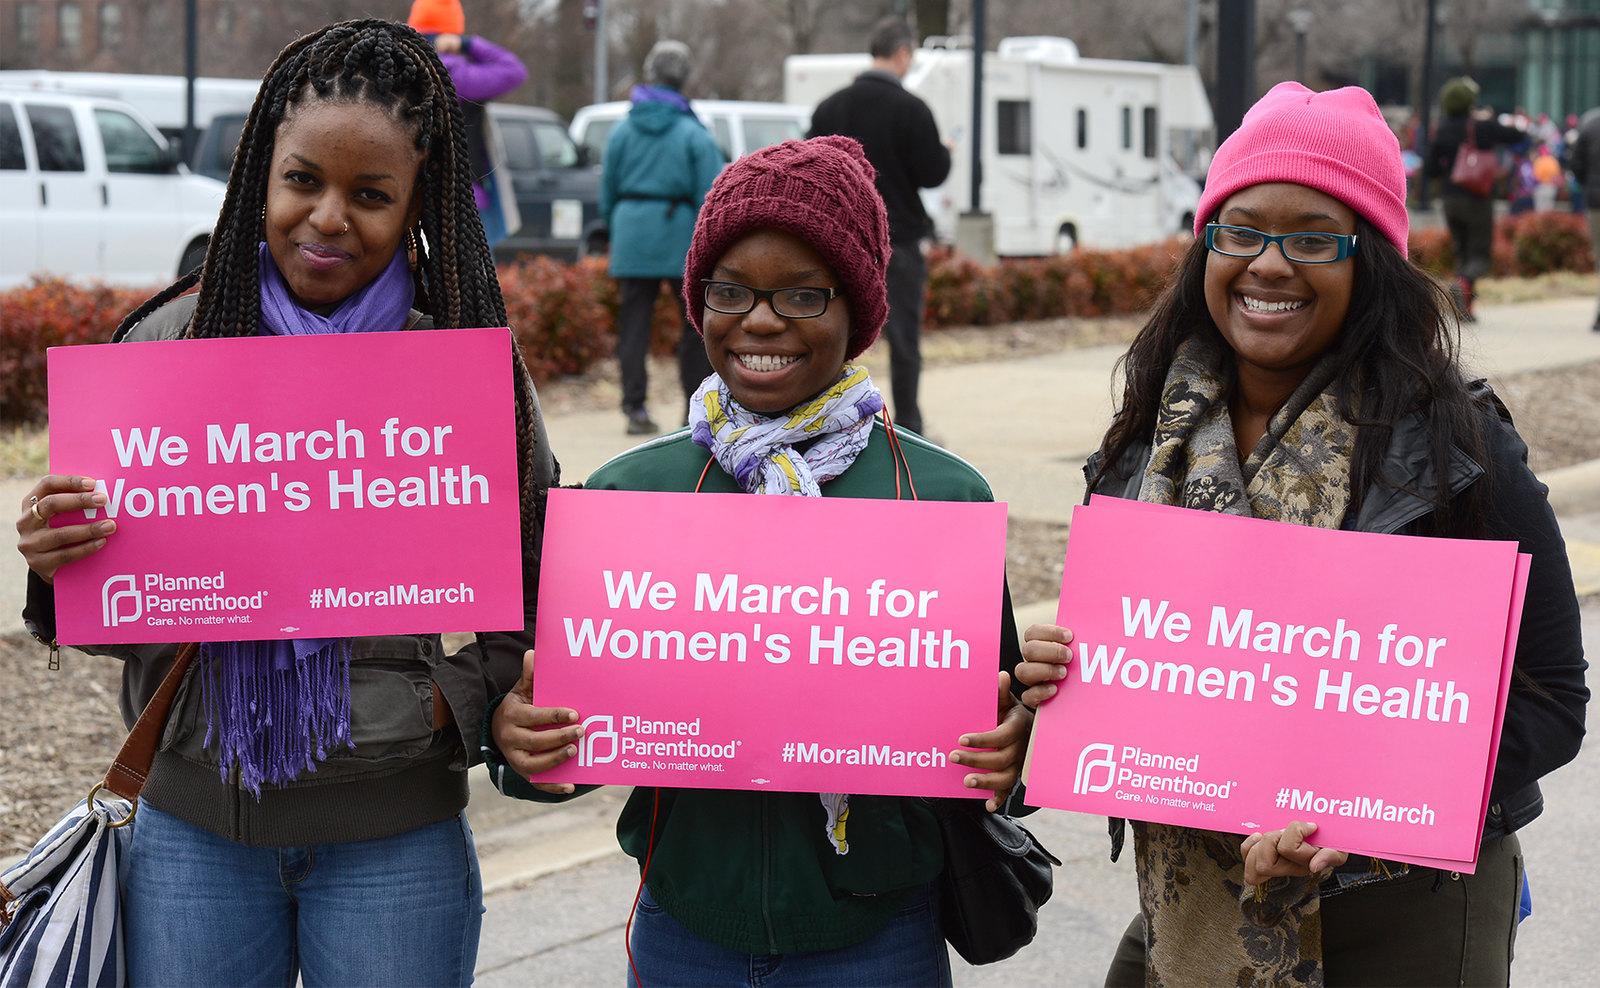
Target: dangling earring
(411,248)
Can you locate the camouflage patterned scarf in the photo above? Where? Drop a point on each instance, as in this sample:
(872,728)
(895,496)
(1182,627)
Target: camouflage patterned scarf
(1203,925)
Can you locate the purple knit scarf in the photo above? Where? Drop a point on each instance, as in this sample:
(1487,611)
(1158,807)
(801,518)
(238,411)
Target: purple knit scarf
(660,94)
(277,708)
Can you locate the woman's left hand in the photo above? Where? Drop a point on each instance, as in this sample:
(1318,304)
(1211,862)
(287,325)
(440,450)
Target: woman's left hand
(1008,742)
(1286,854)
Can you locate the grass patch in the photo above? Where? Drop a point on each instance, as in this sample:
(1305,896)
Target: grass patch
(1558,284)
(24,451)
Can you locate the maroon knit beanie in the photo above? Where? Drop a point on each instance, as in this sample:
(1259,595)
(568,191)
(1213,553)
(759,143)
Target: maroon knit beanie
(823,192)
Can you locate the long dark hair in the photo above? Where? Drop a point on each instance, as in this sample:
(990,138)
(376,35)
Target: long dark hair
(393,67)
(1397,354)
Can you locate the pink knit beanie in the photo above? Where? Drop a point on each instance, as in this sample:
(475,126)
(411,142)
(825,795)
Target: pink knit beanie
(1335,142)
(823,192)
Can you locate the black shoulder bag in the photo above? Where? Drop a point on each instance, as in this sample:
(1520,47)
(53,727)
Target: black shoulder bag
(996,876)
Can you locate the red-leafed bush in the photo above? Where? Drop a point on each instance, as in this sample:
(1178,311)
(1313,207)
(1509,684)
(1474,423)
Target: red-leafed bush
(962,292)
(45,313)
(1524,246)
(559,314)
(1430,249)
(565,315)
(1544,242)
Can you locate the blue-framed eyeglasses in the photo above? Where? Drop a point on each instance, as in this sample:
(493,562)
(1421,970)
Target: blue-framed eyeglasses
(1301,248)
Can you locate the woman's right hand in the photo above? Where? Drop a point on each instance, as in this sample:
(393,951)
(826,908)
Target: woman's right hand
(1046,650)
(531,737)
(48,549)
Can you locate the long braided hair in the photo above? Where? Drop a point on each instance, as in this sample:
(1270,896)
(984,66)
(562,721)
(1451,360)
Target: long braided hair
(393,67)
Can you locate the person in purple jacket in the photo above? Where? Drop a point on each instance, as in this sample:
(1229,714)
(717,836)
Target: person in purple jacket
(481,71)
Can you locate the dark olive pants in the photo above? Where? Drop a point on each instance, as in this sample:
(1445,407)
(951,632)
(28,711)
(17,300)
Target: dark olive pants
(1471,224)
(637,302)
(1427,928)
(907,282)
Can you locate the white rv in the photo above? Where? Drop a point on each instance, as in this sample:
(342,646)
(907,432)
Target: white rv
(1075,150)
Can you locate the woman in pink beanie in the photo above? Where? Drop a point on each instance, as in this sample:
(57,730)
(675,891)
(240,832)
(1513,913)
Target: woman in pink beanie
(785,280)
(1299,368)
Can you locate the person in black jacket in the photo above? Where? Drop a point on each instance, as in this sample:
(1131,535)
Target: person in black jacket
(1584,163)
(1469,216)
(1299,368)
(902,142)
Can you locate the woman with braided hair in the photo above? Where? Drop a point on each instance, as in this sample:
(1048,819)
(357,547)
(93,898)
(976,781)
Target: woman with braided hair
(328,843)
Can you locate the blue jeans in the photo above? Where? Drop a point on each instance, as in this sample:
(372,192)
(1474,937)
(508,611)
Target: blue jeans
(909,951)
(203,910)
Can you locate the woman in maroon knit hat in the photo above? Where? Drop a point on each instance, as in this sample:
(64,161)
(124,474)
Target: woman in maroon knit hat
(785,280)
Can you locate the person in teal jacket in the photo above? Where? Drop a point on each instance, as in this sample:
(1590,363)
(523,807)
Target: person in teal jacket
(659,163)
(787,275)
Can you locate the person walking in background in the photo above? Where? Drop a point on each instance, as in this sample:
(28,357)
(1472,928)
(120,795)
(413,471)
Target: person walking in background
(902,142)
(1469,214)
(1584,162)
(481,71)
(659,164)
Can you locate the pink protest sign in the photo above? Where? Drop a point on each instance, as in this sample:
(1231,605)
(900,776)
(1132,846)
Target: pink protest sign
(1234,674)
(294,487)
(730,641)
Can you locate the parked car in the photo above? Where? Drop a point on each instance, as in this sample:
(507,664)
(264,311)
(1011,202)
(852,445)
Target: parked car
(557,184)
(557,189)
(738,126)
(90,189)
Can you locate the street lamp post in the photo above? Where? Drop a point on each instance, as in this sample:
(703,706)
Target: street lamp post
(1425,124)
(1300,19)
(602,90)
(975,228)
(1236,63)
(191,70)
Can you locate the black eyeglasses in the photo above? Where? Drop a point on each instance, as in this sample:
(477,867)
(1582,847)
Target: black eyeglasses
(734,299)
(1301,248)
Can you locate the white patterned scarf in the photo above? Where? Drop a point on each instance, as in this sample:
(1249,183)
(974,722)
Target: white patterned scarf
(764,454)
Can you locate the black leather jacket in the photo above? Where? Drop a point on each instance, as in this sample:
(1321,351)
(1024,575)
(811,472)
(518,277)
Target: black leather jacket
(1543,725)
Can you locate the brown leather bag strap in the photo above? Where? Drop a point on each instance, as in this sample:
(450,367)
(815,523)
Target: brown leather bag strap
(127,774)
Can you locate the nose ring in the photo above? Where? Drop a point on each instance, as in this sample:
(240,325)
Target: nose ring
(345,229)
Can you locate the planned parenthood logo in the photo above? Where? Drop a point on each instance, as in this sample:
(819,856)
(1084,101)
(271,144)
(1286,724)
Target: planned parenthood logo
(119,601)
(1095,758)
(597,729)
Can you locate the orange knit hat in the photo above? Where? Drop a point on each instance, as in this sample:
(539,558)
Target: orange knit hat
(437,17)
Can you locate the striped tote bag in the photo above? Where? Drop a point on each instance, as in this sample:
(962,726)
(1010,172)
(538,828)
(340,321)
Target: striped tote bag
(61,906)
(60,903)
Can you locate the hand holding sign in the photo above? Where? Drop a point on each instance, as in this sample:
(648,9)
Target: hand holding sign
(1006,743)
(48,549)
(1286,854)
(1046,650)
(531,737)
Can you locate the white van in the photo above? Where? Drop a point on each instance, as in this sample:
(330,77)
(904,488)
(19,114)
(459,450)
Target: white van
(90,190)
(160,99)
(738,126)
(1075,150)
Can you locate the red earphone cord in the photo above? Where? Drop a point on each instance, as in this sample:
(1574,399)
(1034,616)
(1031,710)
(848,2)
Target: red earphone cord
(900,462)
